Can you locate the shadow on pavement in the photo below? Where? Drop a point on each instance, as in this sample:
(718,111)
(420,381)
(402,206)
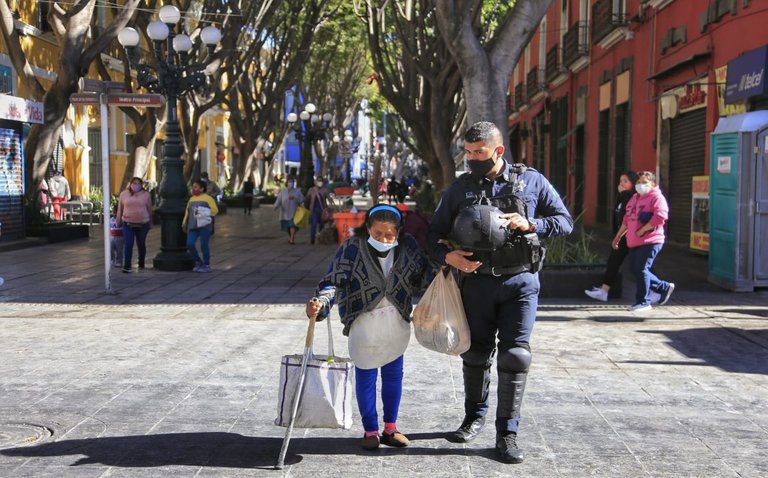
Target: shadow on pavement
(218,449)
(727,348)
(759,312)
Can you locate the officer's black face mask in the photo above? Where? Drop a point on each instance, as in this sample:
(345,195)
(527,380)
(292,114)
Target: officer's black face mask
(479,169)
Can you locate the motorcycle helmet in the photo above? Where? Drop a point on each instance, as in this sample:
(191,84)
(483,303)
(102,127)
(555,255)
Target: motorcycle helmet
(479,227)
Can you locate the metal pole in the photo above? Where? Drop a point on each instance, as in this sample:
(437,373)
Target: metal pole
(106,191)
(173,255)
(306,164)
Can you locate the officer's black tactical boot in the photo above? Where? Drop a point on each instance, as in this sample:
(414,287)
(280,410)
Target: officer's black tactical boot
(510,394)
(468,430)
(506,445)
(477,381)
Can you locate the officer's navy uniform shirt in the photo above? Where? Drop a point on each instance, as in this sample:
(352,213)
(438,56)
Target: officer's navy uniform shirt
(545,208)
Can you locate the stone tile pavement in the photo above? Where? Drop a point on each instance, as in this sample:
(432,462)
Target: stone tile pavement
(175,374)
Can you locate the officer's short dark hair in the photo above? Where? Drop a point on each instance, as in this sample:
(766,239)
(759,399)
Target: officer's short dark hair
(482,131)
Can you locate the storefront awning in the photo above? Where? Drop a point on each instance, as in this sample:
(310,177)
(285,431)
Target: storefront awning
(685,62)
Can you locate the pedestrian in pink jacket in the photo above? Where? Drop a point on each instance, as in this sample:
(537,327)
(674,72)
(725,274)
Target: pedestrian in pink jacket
(643,226)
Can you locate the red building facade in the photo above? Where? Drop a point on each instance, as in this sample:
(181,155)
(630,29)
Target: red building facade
(610,85)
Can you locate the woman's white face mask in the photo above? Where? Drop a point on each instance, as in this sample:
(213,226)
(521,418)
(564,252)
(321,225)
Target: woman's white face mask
(383,235)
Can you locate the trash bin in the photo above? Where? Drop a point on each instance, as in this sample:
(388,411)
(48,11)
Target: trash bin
(346,221)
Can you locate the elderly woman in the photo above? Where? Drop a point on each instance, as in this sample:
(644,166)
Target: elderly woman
(373,278)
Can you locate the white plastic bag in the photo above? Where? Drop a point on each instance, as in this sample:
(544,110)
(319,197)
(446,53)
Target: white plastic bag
(202,216)
(439,321)
(326,396)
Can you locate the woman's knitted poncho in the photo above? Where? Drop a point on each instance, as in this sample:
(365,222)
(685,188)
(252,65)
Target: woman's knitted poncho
(357,284)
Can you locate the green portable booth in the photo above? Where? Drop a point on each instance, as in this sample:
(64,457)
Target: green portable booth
(738,213)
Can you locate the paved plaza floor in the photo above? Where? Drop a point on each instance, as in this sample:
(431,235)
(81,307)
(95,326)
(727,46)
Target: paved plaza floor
(176,374)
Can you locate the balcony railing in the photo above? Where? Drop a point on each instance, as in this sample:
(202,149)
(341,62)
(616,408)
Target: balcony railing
(607,15)
(552,70)
(519,102)
(535,81)
(575,43)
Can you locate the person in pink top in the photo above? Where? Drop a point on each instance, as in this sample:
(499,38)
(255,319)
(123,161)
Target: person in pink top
(643,226)
(134,215)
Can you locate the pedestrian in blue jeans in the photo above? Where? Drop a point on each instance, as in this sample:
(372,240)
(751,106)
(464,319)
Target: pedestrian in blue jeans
(643,226)
(134,233)
(134,215)
(198,224)
(642,258)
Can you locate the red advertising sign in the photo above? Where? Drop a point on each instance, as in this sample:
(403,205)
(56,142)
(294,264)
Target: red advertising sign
(135,99)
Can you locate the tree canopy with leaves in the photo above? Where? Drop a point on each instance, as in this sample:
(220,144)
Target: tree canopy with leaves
(335,77)
(269,61)
(445,63)
(416,73)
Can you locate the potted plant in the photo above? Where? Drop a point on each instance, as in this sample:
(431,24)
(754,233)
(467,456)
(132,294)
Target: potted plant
(572,265)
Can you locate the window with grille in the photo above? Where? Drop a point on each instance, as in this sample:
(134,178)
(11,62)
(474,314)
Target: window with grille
(43,7)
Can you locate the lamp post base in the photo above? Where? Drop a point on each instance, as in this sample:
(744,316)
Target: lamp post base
(173,261)
(173,255)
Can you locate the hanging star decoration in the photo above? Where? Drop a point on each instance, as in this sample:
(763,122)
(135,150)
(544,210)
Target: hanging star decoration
(374,77)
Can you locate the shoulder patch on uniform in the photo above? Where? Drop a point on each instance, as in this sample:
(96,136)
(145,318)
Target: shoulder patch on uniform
(469,195)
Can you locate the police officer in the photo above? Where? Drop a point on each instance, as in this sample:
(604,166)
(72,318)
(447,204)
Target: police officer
(499,289)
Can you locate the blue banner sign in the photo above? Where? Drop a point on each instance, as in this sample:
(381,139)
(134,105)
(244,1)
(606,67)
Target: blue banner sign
(746,75)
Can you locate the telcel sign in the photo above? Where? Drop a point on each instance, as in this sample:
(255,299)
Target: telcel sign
(746,75)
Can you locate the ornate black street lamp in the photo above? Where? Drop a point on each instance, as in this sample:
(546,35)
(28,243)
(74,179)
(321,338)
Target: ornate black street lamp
(173,77)
(312,128)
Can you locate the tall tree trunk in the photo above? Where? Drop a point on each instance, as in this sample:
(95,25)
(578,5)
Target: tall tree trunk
(247,164)
(486,69)
(43,138)
(419,79)
(375,179)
